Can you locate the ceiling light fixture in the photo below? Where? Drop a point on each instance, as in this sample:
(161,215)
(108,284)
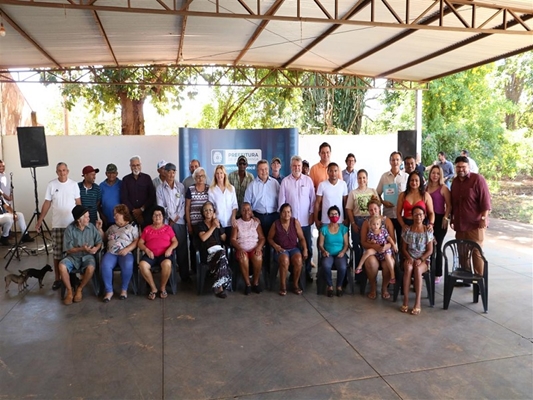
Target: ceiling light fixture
(2,29)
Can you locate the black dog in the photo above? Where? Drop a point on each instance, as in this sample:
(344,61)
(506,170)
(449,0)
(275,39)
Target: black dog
(37,273)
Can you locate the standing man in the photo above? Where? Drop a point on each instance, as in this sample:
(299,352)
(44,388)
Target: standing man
(110,189)
(391,184)
(161,175)
(319,171)
(275,166)
(240,180)
(298,190)
(91,195)
(447,168)
(409,164)
(171,196)
(349,175)
(331,192)
(262,194)
(421,168)
(473,165)
(189,181)
(138,193)
(470,207)
(62,194)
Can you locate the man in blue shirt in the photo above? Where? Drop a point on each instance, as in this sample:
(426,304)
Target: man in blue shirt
(262,194)
(110,189)
(447,168)
(349,175)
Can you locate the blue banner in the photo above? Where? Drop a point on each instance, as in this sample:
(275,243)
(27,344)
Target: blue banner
(213,147)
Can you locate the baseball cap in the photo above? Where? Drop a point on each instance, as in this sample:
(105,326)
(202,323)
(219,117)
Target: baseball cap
(111,168)
(170,167)
(161,164)
(275,159)
(88,169)
(242,158)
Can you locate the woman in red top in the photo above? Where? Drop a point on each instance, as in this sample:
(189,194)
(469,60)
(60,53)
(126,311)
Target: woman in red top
(158,241)
(414,195)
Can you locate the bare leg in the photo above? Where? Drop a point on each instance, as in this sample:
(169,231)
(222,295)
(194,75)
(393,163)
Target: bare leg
(144,267)
(296,261)
(166,267)
(257,262)
(366,254)
(244,265)
(283,262)
(407,271)
(371,268)
(418,271)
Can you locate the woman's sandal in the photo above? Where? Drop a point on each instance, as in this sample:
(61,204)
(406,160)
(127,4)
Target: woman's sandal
(404,309)
(163,294)
(297,291)
(416,311)
(371,295)
(385,295)
(283,292)
(152,295)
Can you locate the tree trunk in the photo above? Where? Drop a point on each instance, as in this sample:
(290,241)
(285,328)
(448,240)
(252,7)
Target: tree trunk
(132,115)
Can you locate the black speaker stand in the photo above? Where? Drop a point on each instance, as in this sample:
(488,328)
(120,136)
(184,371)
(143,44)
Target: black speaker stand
(36,214)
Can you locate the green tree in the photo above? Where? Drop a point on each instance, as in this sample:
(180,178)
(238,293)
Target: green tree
(112,93)
(330,110)
(243,106)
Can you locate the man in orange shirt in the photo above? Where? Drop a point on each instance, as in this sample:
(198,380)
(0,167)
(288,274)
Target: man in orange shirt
(319,171)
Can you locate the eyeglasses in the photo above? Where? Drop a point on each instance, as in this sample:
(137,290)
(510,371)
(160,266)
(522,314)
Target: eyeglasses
(334,215)
(418,215)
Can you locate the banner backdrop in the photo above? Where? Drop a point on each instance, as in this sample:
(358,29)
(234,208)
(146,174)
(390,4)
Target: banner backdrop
(224,146)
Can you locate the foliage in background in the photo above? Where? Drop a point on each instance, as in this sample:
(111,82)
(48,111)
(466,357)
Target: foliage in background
(112,95)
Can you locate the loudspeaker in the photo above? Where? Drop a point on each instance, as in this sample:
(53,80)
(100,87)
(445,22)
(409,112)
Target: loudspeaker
(407,143)
(32,146)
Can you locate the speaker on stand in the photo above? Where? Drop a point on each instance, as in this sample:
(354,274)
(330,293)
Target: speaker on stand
(33,153)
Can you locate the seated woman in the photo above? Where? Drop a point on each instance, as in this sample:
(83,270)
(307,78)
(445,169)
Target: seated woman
(157,241)
(417,246)
(81,242)
(122,238)
(212,237)
(248,239)
(372,263)
(285,236)
(333,244)
(414,195)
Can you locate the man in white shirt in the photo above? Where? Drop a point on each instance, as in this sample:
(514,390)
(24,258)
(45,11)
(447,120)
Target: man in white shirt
(330,192)
(298,190)
(62,194)
(471,163)
(391,184)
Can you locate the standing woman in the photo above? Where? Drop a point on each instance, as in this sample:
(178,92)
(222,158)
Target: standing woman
(211,237)
(195,197)
(442,205)
(222,194)
(417,246)
(357,210)
(333,244)
(414,195)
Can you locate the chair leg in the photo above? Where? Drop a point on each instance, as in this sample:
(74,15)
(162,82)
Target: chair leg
(476,291)
(449,283)
(431,297)
(484,298)
(273,275)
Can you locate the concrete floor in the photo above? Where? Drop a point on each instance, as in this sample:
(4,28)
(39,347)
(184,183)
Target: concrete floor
(269,347)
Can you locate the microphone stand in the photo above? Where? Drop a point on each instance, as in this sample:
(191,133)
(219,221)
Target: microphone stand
(17,247)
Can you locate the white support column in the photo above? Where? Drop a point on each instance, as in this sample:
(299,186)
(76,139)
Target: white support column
(418,121)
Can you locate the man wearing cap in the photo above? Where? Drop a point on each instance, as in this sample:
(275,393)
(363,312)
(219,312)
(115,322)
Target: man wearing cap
(62,194)
(90,192)
(158,180)
(189,181)
(110,189)
(81,243)
(171,196)
(240,179)
(275,167)
(305,167)
(138,193)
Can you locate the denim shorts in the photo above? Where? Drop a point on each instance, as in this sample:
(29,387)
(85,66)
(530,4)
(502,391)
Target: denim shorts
(290,253)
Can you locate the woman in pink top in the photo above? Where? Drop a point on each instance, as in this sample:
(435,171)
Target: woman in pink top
(442,204)
(248,240)
(158,242)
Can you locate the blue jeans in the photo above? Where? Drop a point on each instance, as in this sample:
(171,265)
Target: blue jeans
(340,264)
(109,261)
(309,242)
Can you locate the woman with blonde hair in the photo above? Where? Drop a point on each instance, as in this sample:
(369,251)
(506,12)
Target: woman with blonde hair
(223,195)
